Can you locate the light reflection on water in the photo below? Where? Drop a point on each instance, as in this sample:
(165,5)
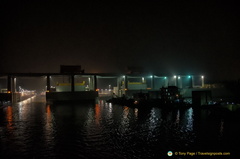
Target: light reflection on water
(34,129)
(189,118)
(9,118)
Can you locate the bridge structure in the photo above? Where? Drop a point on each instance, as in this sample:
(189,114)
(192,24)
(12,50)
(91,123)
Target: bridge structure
(88,86)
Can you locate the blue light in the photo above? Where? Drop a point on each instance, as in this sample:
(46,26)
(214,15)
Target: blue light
(189,76)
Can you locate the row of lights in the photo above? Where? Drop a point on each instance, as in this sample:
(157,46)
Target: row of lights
(188,77)
(163,77)
(173,77)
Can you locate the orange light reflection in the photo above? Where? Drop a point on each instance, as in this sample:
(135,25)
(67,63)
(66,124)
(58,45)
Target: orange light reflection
(97,113)
(125,112)
(48,111)
(9,118)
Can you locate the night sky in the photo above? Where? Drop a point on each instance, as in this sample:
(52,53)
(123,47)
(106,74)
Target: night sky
(161,36)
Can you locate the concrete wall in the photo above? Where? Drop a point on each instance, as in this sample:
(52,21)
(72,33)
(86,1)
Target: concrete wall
(63,88)
(137,86)
(68,88)
(71,96)
(216,92)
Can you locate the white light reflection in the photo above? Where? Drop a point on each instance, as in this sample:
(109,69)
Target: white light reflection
(23,108)
(136,113)
(125,120)
(20,110)
(221,128)
(110,108)
(177,117)
(189,117)
(154,119)
(90,118)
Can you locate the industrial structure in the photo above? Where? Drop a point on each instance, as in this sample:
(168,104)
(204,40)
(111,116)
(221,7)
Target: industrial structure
(66,86)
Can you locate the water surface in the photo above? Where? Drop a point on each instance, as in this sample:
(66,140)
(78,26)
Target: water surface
(35,129)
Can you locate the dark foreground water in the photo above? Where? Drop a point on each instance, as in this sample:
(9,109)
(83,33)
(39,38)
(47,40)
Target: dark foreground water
(34,129)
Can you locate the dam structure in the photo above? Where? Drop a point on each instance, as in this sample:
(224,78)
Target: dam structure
(70,86)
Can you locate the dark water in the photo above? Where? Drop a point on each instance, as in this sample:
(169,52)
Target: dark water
(34,129)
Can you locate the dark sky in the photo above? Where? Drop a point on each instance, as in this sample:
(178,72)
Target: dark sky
(162,36)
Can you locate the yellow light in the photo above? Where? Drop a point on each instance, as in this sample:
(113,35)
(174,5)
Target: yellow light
(47,91)
(97,90)
(125,89)
(8,91)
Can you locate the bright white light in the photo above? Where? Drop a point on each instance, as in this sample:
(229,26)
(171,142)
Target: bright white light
(189,76)
(179,77)
(151,76)
(174,76)
(202,77)
(165,77)
(123,76)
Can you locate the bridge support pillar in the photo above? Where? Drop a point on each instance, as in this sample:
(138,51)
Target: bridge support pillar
(48,83)
(14,94)
(13,84)
(152,83)
(95,82)
(9,84)
(192,81)
(176,81)
(179,82)
(202,77)
(166,81)
(118,86)
(126,83)
(72,83)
